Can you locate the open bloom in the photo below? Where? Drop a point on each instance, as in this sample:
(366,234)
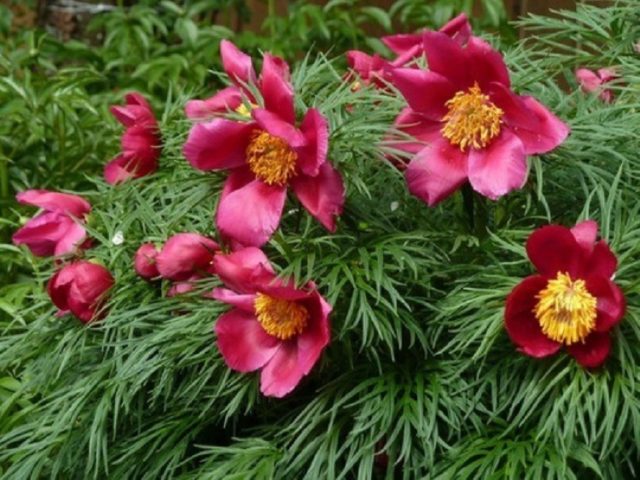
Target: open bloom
(572,301)
(373,69)
(80,288)
(186,255)
(140,142)
(272,326)
(594,82)
(266,152)
(468,124)
(59,228)
(144,261)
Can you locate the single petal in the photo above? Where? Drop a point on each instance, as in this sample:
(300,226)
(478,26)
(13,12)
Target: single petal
(116,172)
(413,84)
(314,153)
(43,232)
(282,373)
(585,234)
(589,81)
(611,302)
(401,43)
(236,63)
(184,255)
(242,341)
(436,172)
(602,261)
(74,236)
(447,58)
(316,336)
(242,269)
(55,202)
(274,125)
(554,249)
(276,88)
(249,226)
(143,144)
(593,352)
(322,195)
(458,28)
(521,324)
(227,99)
(485,63)
(242,301)
(218,144)
(500,167)
(424,131)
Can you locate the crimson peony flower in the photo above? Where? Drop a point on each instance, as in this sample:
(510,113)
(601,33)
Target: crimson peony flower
(140,142)
(144,261)
(572,301)
(272,326)
(59,228)
(474,127)
(266,152)
(594,82)
(186,255)
(80,288)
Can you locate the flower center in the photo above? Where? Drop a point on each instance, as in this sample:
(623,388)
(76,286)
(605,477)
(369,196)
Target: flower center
(281,318)
(271,159)
(566,310)
(472,120)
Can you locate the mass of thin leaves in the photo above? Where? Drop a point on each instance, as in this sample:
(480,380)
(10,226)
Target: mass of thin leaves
(420,379)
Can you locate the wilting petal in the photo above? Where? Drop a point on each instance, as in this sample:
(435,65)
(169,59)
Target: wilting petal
(283,372)
(611,302)
(413,84)
(593,352)
(499,168)
(184,255)
(521,324)
(227,99)
(486,63)
(242,269)
(316,132)
(236,63)
(218,144)
(316,337)
(274,125)
(436,172)
(554,249)
(249,226)
(322,195)
(447,58)
(585,234)
(242,301)
(243,342)
(55,202)
(276,89)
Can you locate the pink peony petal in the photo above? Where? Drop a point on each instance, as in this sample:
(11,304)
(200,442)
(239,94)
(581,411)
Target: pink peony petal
(73,237)
(274,125)
(585,234)
(402,43)
(499,168)
(144,261)
(43,232)
(218,144)
(447,58)
(486,64)
(593,352)
(55,202)
(236,63)
(316,337)
(276,89)
(458,28)
(242,341)
(602,261)
(522,326)
(589,81)
(322,195)
(436,172)
(184,255)
(227,99)
(243,269)
(249,226)
(316,132)
(282,373)
(116,172)
(242,301)
(417,126)
(554,249)
(413,84)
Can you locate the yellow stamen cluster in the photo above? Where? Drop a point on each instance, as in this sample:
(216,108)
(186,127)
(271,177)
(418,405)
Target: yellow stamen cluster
(281,318)
(566,310)
(472,120)
(270,158)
